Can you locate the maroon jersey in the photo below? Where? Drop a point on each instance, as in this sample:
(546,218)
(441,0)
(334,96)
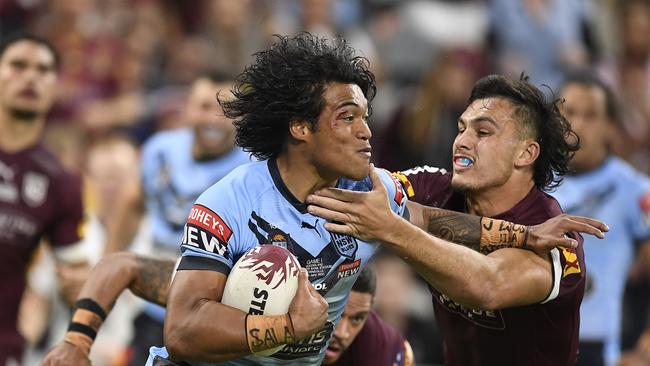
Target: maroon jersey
(376,344)
(37,198)
(540,334)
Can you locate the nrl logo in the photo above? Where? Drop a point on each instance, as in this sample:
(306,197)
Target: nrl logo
(35,188)
(345,245)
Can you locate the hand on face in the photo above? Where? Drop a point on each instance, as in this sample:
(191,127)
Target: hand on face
(365,215)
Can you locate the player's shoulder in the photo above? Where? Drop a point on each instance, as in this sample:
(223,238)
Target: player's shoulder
(425,169)
(47,166)
(365,184)
(244,183)
(626,172)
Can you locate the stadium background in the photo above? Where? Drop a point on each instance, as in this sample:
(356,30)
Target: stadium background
(126,66)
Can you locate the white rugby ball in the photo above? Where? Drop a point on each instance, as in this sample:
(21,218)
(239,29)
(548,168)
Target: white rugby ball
(263,282)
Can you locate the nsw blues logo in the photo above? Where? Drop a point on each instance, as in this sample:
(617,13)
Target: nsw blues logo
(345,245)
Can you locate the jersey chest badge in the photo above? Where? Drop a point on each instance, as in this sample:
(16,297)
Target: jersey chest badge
(345,245)
(35,188)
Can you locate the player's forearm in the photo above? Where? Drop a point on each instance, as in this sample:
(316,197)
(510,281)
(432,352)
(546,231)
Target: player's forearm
(207,331)
(478,233)
(109,278)
(459,272)
(152,279)
(122,227)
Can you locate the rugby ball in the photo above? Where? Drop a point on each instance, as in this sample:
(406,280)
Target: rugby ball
(263,282)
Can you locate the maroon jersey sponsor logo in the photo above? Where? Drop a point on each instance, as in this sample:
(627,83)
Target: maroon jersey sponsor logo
(271,264)
(484,318)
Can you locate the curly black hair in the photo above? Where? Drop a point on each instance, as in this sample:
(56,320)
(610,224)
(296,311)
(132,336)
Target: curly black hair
(540,118)
(286,83)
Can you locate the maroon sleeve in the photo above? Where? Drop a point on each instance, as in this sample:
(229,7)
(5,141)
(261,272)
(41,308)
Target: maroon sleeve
(426,185)
(66,228)
(572,269)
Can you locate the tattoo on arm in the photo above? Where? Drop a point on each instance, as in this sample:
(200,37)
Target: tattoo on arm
(453,226)
(481,234)
(153,279)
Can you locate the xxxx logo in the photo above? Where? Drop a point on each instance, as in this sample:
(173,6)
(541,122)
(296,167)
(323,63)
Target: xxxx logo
(571,263)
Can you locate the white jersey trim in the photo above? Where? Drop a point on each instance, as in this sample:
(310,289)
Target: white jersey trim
(74,253)
(426,169)
(178,262)
(557,275)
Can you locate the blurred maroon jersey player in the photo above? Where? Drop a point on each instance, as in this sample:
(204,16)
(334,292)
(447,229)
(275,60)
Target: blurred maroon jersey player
(543,334)
(38,198)
(376,344)
(361,338)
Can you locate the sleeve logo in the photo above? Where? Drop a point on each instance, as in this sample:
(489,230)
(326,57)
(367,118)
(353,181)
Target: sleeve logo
(399,191)
(644,205)
(405,183)
(571,263)
(206,230)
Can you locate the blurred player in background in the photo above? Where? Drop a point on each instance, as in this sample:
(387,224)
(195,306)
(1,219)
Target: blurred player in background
(362,338)
(509,307)
(39,199)
(605,187)
(177,166)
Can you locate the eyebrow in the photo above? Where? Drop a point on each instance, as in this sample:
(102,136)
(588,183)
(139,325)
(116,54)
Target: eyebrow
(480,119)
(348,103)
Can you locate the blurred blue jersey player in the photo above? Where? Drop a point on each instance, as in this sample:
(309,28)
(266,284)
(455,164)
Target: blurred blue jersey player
(177,166)
(604,187)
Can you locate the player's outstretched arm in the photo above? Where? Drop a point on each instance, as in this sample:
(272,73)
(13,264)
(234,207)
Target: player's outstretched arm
(199,328)
(486,235)
(507,277)
(148,278)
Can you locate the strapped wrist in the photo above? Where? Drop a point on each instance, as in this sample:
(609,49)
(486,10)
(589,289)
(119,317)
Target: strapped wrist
(87,318)
(266,332)
(496,234)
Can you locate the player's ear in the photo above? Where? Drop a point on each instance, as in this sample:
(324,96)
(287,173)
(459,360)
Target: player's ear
(527,154)
(300,130)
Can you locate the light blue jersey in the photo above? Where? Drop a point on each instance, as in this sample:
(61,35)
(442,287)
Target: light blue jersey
(619,196)
(252,206)
(172,180)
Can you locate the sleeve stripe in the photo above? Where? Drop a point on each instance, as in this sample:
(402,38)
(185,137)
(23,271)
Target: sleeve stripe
(203,264)
(557,276)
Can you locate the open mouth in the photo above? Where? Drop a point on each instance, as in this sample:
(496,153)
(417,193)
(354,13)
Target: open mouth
(332,350)
(463,161)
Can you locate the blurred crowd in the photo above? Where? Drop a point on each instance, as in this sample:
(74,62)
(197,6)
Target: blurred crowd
(127,67)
